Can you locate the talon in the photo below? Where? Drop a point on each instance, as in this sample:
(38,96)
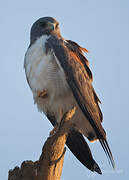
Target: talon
(42,94)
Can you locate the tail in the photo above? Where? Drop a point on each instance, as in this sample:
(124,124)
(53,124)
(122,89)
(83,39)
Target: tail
(79,147)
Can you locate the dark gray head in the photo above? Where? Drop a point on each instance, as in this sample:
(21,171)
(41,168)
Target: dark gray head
(44,26)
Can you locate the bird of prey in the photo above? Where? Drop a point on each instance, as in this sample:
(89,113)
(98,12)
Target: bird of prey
(59,76)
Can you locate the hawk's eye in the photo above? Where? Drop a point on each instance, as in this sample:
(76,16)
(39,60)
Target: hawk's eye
(43,24)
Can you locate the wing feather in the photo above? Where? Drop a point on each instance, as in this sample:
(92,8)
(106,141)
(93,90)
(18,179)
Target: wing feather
(79,79)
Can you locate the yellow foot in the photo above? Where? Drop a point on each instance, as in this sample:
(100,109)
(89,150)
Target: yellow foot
(42,94)
(54,130)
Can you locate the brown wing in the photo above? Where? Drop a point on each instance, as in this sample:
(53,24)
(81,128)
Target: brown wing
(78,50)
(79,79)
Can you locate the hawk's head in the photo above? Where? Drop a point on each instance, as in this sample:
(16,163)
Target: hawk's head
(44,26)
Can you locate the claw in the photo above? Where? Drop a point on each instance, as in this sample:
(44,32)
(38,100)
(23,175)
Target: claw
(42,94)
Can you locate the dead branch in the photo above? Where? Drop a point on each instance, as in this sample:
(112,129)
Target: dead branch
(49,166)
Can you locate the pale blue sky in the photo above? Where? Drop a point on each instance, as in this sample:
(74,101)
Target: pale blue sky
(102,26)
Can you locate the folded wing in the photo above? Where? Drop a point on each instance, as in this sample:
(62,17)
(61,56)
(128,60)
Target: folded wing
(71,60)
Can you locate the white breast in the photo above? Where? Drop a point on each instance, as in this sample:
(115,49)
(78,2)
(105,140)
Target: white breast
(36,63)
(43,72)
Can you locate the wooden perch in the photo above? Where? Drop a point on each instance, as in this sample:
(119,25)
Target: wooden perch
(49,166)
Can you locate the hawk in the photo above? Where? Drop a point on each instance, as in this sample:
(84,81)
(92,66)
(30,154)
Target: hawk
(59,76)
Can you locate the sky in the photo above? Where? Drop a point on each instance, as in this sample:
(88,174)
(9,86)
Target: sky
(100,26)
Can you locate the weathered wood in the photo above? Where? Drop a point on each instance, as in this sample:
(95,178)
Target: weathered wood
(50,164)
